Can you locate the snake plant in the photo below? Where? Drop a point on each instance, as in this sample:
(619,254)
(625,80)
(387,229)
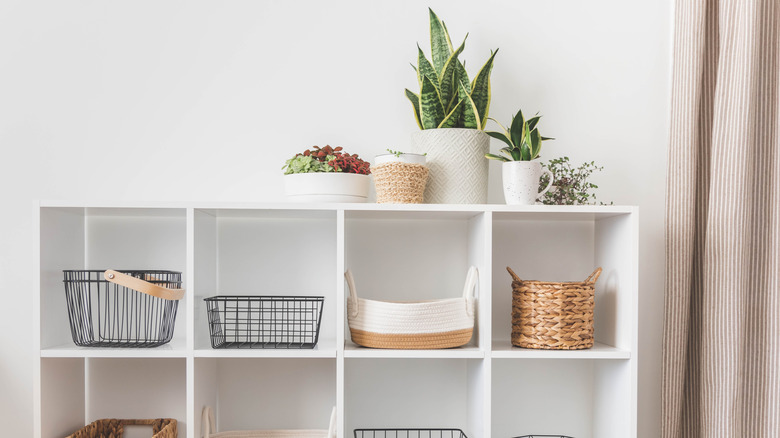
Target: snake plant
(447,98)
(522,138)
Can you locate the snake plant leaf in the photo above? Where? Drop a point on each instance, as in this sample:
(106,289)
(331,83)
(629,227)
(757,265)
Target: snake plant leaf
(518,128)
(447,34)
(441,48)
(480,89)
(453,117)
(535,143)
(547,138)
(532,122)
(525,153)
(415,99)
(447,80)
(431,111)
(462,75)
(469,117)
(501,136)
(424,68)
(496,157)
(517,154)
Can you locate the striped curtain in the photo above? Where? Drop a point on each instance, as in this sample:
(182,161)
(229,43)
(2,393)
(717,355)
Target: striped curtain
(721,359)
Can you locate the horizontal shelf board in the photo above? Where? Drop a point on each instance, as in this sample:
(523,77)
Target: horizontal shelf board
(503,349)
(324,348)
(469,352)
(175,348)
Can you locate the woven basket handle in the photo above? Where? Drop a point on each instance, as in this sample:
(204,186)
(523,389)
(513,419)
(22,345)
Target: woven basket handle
(142,286)
(332,427)
(512,273)
(593,277)
(352,292)
(469,289)
(207,422)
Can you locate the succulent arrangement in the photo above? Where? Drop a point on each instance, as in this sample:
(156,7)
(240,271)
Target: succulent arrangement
(571,183)
(524,142)
(447,98)
(326,159)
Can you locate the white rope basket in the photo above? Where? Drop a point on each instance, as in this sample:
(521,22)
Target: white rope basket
(208,426)
(412,325)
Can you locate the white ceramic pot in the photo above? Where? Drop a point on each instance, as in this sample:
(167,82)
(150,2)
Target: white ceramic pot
(458,168)
(326,187)
(403,158)
(521,181)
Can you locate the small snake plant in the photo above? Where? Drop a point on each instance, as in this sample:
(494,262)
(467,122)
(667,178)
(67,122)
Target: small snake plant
(447,99)
(522,138)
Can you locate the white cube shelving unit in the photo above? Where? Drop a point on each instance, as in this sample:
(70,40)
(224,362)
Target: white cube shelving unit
(396,252)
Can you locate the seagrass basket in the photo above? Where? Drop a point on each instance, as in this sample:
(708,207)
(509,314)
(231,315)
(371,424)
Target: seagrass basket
(113,428)
(399,183)
(553,315)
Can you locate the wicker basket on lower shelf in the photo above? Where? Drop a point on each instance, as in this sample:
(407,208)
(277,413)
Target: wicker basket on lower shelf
(113,428)
(208,425)
(409,433)
(417,325)
(553,315)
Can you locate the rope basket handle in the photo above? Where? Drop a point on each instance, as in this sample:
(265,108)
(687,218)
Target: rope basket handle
(142,286)
(332,426)
(469,289)
(592,278)
(352,292)
(207,422)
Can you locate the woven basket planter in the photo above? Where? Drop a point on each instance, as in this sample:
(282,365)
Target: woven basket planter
(208,424)
(112,428)
(399,183)
(553,316)
(416,325)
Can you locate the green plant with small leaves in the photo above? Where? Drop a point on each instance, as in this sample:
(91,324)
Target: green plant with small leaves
(447,98)
(399,153)
(571,185)
(523,140)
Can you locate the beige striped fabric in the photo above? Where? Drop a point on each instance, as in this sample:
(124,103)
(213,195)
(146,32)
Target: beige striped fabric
(721,360)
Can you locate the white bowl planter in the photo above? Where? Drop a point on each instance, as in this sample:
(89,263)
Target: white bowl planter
(521,181)
(456,159)
(327,187)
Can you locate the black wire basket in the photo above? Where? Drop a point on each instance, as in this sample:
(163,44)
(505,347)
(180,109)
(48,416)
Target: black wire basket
(134,309)
(237,321)
(409,433)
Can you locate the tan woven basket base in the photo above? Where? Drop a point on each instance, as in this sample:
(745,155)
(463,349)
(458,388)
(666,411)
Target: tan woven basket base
(423,341)
(109,427)
(399,183)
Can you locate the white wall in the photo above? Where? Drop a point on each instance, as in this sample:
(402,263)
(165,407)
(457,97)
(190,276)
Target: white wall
(205,100)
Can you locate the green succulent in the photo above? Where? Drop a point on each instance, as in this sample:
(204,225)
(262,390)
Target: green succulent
(524,142)
(447,98)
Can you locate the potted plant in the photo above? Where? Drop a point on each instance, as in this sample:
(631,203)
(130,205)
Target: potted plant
(520,171)
(570,185)
(326,174)
(451,112)
(400,177)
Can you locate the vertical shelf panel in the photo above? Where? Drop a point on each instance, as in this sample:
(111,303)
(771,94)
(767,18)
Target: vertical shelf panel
(62,396)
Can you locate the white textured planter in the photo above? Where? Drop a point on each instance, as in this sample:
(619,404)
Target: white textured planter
(403,158)
(521,181)
(326,187)
(458,168)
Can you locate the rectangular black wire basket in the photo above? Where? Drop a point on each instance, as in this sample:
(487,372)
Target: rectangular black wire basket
(105,314)
(237,321)
(409,433)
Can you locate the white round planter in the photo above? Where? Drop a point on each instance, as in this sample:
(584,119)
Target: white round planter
(458,168)
(521,181)
(403,158)
(326,187)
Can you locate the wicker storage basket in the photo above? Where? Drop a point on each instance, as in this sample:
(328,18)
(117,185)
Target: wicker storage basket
(413,325)
(553,316)
(399,183)
(208,425)
(112,428)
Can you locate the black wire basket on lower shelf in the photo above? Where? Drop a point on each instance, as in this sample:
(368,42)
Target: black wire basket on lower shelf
(237,321)
(409,433)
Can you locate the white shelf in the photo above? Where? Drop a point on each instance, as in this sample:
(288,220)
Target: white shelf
(503,349)
(175,348)
(468,352)
(396,252)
